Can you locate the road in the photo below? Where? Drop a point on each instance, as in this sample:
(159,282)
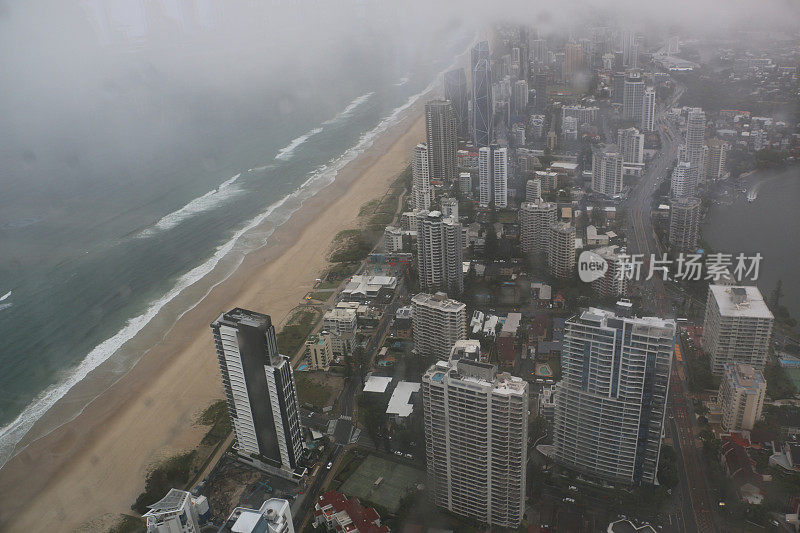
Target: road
(695,514)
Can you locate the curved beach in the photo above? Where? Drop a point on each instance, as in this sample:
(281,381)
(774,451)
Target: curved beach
(96,464)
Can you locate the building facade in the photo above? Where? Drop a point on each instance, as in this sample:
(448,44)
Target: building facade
(611,401)
(737,327)
(683,181)
(438,323)
(340,324)
(695,134)
(649,110)
(607,170)
(319,352)
(741,397)
(631,145)
(476,433)
(684,223)
(561,250)
(455,90)
(421,192)
(633,98)
(259,388)
(439,252)
(535,220)
(441,131)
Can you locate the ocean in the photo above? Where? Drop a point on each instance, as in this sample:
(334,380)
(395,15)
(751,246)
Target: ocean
(114,223)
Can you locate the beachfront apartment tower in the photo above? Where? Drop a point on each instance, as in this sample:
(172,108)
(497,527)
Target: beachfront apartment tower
(535,220)
(455,90)
(561,250)
(606,170)
(649,110)
(439,253)
(441,131)
(421,192)
(438,322)
(259,388)
(476,440)
(611,400)
(319,352)
(177,512)
(737,327)
(741,397)
(340,323)
(684,223)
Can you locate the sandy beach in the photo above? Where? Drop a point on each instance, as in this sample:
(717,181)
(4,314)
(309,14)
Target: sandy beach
(95,465)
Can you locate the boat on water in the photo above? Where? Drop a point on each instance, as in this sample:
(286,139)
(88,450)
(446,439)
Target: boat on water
(752,195)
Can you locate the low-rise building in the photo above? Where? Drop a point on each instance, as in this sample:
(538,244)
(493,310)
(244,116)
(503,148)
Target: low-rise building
(319,352)
(177,512)
(274,516)
(341,325)
(341,515)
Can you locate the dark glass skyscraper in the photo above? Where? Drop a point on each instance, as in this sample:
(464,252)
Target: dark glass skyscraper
(455,90)
(481,95)
(259,388)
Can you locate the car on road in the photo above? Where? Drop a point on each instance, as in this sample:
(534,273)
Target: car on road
(330,465)
(398,453)
(408,456)
(569,500)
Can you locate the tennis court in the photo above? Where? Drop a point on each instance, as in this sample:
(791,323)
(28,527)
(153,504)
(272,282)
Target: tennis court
(397,480)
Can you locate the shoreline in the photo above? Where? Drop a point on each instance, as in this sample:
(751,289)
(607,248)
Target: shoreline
(95,464)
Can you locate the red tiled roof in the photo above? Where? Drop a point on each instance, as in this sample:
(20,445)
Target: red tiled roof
(363,518)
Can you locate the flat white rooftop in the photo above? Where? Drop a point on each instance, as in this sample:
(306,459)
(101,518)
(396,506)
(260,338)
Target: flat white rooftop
(377,384)
(400,402)
(740,301)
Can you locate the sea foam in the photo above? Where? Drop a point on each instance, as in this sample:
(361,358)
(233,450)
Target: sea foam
(285,153)
(11,434)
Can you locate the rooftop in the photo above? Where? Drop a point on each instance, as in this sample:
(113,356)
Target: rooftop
(377,384)
(740,301)
(400,402)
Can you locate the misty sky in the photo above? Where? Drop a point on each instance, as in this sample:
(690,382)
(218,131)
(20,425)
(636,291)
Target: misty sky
(114,83)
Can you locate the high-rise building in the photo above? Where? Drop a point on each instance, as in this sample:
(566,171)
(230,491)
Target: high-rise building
(420,176)
(606,170)
(613,283)
(683,181)
(628,43)
(633,98)
(631,145)
(649,110)
(520,96)
(540,85)
(274,516)
(618,88)
(539,50)
(535,220)
(450,207)
(438,323)
(476,433)
(611,400)
(573,60)
(340,324)
(533,190)
(695,134)
(259,388)
(455,90)
(177,512)
(716,159)
(737,327)
(481,96)
(584,115)
(465,182)
(741,397)
(439,252)
(500,176)
(561,250)
(441,128)
(684,223)
(485,188)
